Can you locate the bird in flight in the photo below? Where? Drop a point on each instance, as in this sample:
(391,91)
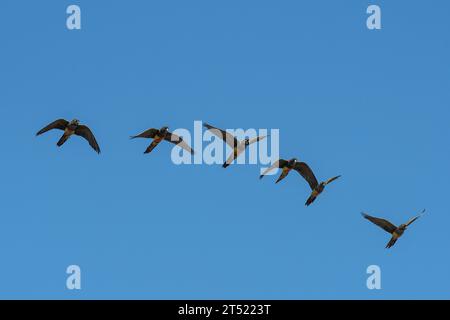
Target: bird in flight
(159,135)
(395,231)
(71,128)
(317,188)
(286,166)
(305,171)
(237,146)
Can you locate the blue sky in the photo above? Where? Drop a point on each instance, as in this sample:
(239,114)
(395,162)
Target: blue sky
(370,105)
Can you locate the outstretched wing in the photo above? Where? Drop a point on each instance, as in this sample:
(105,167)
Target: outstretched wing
(331,180)
(415,218)
(307,174)
(225,136)
(257,139)
(281,163)
(85,132)
(60,124)
(150,133)
(382,223)
(173,138)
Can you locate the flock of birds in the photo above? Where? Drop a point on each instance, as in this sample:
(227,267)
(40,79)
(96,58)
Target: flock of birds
(158,135)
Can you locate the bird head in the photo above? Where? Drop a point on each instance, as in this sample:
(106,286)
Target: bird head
(247,141)
(292,161)
(75,122)
(164,129)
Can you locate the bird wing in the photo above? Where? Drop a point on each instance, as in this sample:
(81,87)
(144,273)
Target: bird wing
(150,133)
(60,124)
(382,223)
(415,218)
(225,136)
(85,132)
(331,180)
(256,139)
(307,174)
(281,163)
(173,138)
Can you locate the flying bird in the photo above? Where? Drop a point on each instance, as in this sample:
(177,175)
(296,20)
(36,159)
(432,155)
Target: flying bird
(395,231)
(159,135)
(286,166)
(317,188)
(71,128)
(237,146)
(305,171)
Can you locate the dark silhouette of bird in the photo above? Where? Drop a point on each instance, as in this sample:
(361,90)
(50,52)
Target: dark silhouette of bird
(159,135)
(286,166)
(395,231)
(237,146)
(305,171)
(317,188)
(71,128)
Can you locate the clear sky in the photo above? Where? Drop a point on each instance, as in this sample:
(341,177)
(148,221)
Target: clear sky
(370,105)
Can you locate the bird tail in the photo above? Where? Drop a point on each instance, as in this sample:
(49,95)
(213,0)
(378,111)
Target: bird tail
(151,146)
(62,140)
(391,242)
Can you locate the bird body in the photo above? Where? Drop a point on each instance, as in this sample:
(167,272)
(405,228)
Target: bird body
(236,152)
(317,190)
(284,172)
(312,197)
